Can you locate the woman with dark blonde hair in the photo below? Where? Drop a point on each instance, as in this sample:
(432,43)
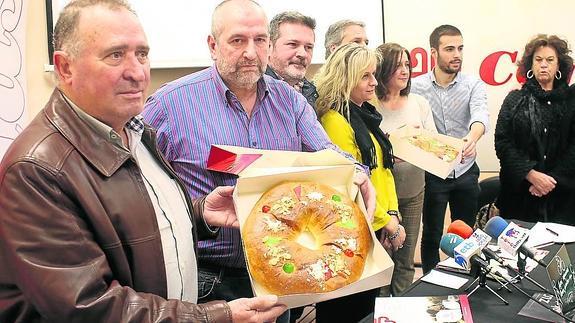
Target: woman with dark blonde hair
(399,108)
(345,84)
(535,137)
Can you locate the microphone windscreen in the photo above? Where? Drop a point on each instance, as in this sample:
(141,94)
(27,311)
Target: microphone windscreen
(448,242)
(495,226)
(460,228)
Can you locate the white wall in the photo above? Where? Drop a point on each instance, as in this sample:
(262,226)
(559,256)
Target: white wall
(177,29)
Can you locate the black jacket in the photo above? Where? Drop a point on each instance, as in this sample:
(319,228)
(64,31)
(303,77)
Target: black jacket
(536,130)
(308,90)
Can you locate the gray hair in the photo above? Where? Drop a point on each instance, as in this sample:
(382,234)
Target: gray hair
(289,17)
(65,37)
(334,34)
(216,27)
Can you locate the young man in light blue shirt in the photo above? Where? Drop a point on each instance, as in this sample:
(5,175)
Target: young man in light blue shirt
(459,105)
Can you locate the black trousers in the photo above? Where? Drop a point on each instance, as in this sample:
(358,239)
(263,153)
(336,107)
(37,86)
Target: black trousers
(462,194)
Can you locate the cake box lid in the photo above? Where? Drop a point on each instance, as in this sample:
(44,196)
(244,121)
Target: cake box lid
(244,162)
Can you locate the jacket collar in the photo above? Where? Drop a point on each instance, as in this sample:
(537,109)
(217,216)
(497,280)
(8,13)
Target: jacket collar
(100,153)
(272,73)
(298,87)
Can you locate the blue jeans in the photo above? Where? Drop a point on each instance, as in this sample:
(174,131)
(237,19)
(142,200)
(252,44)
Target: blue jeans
(462,194)
(226,284)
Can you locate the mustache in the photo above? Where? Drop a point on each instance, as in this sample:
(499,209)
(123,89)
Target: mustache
(133,87)
(244,63)
(299,61)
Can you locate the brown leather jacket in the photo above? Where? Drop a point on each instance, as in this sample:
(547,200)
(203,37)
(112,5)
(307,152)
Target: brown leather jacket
(79,241)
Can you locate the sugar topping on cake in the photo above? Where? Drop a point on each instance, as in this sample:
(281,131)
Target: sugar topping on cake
(273,225)
(283,206)
(314,196)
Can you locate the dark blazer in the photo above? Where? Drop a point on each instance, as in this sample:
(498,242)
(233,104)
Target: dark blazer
(308,89)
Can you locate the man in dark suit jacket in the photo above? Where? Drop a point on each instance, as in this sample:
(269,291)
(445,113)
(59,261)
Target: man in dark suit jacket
(292,38)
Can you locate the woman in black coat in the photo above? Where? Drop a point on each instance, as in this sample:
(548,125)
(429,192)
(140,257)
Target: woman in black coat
(535,137)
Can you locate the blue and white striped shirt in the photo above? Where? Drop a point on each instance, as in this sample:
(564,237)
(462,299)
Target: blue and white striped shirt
(455,107)
(198,110)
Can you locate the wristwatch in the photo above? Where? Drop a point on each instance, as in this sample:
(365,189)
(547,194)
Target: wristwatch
(396,214)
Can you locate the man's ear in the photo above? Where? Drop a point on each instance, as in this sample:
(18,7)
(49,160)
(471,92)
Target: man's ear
(434,53)
(62,66)
(212,46)
(332,48)
(270,49)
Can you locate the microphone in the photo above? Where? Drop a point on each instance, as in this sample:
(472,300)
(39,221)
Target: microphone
(483,240)
(510,237)
(478,235)
(465,252)
(460,228)
(448,242)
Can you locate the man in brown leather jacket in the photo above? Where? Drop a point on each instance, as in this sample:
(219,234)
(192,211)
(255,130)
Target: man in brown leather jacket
(94,224)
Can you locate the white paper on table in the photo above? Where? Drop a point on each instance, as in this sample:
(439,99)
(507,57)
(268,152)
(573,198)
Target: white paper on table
(566,233)
(540,235)
(449,264)
(446,280)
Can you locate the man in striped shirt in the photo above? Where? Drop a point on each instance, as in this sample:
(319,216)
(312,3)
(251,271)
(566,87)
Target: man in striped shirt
(232,103)
(459,105)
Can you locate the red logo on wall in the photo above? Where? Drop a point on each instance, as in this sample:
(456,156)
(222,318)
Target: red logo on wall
(422,62)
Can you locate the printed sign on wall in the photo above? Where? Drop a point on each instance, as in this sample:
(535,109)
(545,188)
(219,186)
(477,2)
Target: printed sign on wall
(12,72)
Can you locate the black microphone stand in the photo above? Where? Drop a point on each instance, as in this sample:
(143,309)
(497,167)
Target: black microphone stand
(481,279)
(521,273)
(482,272)
(521,263)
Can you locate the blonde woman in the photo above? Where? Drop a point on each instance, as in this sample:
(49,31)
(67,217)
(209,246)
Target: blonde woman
(345,84)
(398,107)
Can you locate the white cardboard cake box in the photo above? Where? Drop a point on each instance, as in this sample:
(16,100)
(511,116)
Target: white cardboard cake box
(414,155)
(260,170)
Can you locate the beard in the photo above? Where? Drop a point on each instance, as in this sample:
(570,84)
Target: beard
(292,73)
(232,71)
(445,67)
